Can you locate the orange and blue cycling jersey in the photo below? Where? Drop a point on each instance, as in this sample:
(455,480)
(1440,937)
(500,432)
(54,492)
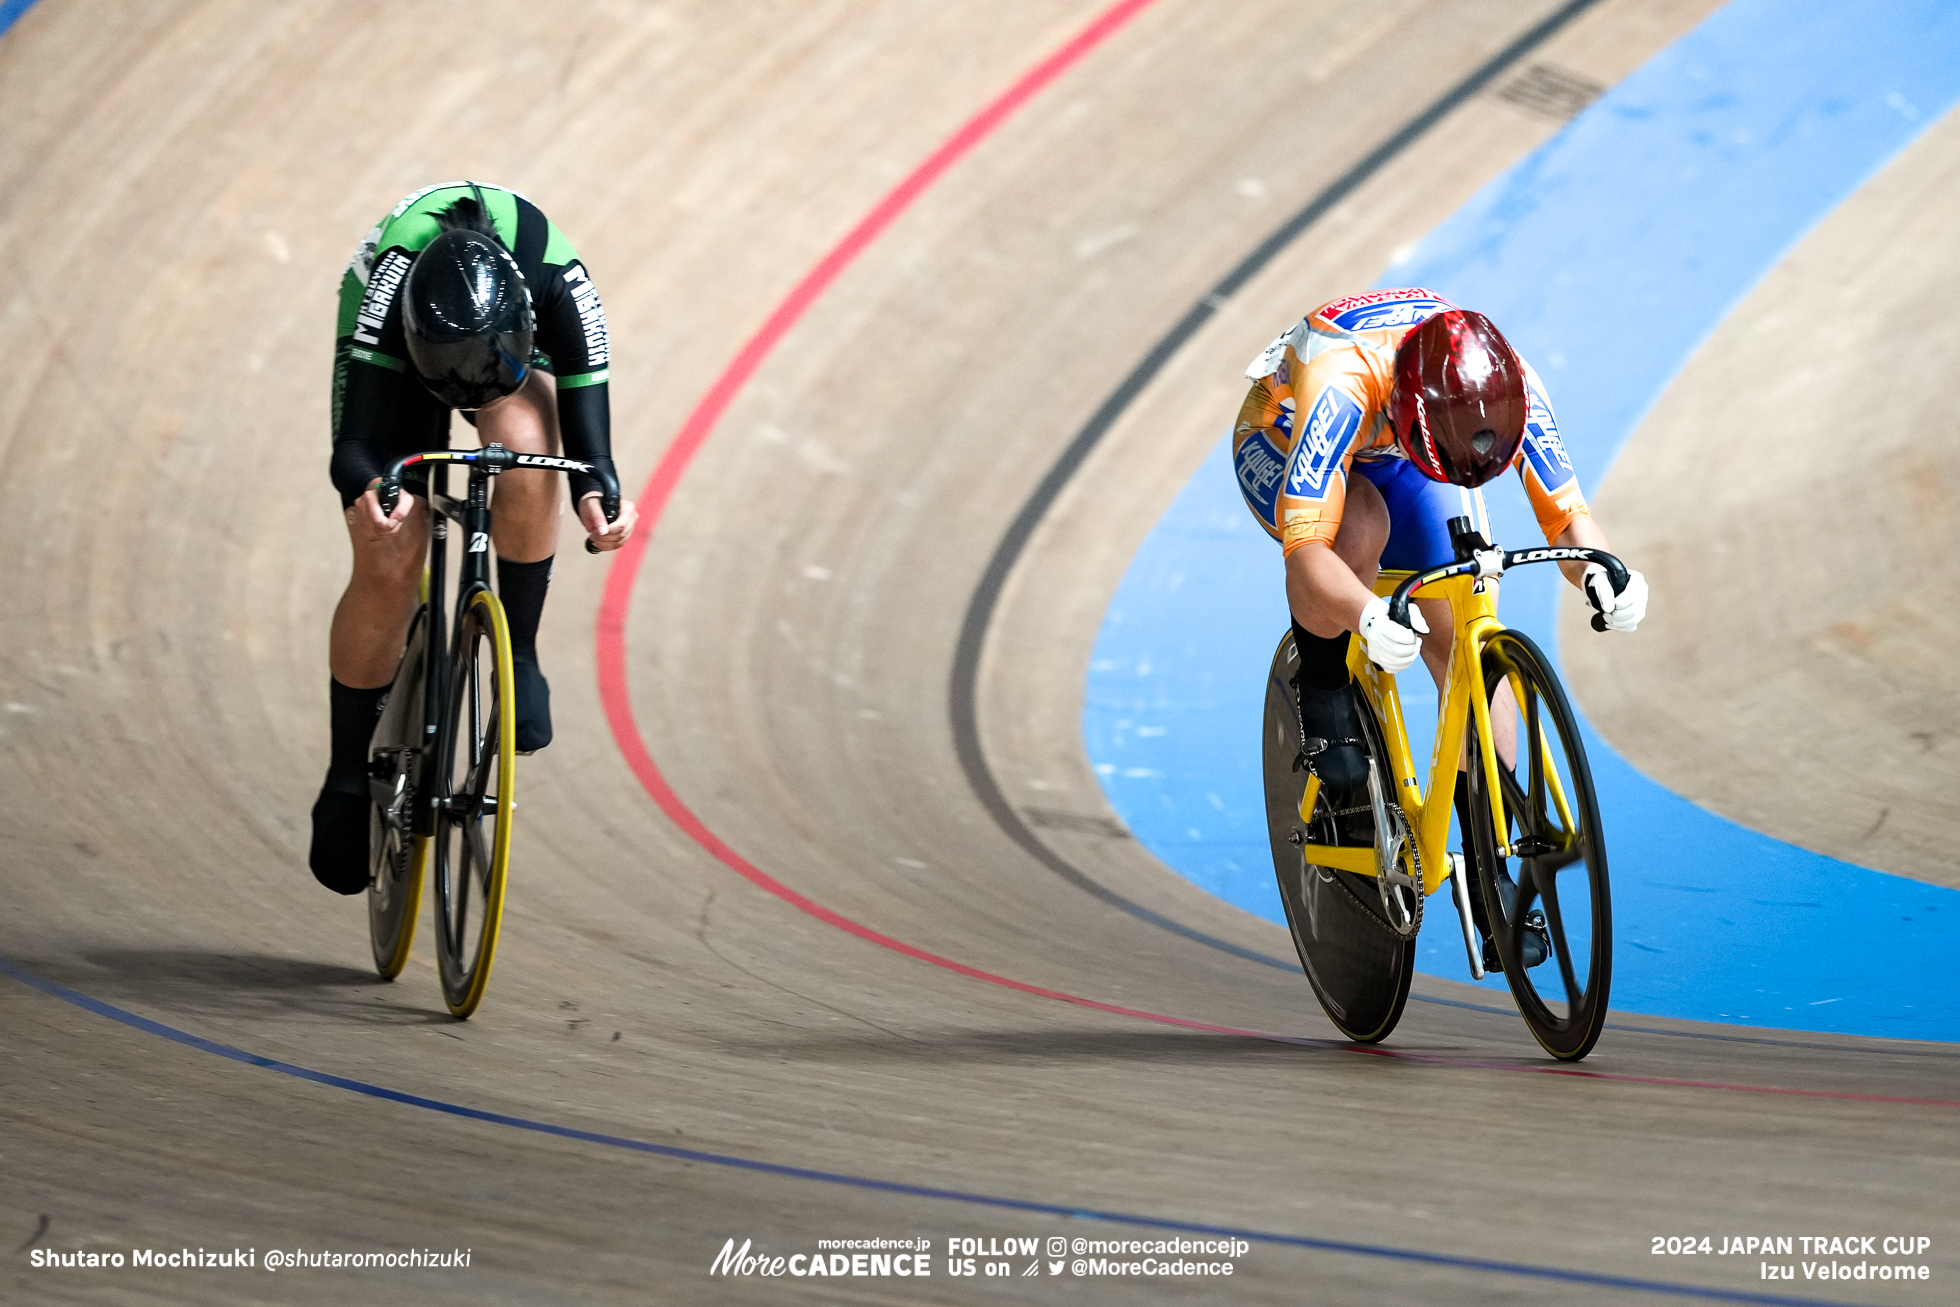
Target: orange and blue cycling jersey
(1336,367)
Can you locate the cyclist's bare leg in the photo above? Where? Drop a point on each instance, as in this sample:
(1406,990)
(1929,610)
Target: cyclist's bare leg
(1358,544)
(526,503)
(370,624)
(1436,657)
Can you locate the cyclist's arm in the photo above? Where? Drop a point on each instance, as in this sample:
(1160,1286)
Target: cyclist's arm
(1581,533)
(1312,497)
(367,398)
(572,332)
(371,383)
(1551,483)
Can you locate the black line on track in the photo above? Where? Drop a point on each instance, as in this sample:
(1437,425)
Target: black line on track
(963,706)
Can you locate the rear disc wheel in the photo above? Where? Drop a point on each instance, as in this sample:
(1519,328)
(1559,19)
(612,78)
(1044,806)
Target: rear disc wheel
(1360,967)
(398,856)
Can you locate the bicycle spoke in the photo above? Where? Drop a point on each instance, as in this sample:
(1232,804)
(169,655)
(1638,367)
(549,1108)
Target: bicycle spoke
(475,715)
(1533,745)
(478,861)
(1555,925)
(1530,820)
(1553,863)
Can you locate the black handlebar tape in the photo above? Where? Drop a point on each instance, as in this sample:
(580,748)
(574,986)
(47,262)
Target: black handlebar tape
(390,494)
(1398,603)
(1616,571)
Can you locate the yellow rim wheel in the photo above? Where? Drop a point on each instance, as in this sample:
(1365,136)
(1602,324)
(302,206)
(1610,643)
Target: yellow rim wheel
(473,828)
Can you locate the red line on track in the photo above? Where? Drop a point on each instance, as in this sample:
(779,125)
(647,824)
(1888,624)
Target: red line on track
(616,695)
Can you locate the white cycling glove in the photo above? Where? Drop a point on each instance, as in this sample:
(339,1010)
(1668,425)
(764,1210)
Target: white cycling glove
(1622,611)
(1391,646)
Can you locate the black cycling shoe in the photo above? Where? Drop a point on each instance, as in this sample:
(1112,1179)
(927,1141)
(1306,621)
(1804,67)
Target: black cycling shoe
(1330,727)
(339,853)
(1537,940)
(533,707)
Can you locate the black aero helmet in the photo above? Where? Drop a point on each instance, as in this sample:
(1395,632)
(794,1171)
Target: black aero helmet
(467,311)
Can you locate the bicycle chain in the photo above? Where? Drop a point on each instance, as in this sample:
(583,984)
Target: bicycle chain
(1304,758)
(1386,888)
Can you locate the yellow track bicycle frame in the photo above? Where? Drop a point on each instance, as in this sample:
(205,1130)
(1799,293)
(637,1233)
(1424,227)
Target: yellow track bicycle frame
(1473,608)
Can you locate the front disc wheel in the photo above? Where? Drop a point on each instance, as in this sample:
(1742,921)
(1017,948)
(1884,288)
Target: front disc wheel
(473,814)
(1545,891)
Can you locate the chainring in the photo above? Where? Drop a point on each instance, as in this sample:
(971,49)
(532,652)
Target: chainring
(1401,890)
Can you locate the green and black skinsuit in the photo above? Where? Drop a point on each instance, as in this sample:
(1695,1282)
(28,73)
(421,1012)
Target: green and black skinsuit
(381,411)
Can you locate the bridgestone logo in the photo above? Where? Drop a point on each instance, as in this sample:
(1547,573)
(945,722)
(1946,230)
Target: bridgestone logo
(382,285)
(591,316)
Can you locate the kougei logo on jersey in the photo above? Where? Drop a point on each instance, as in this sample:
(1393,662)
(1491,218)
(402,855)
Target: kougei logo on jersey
(1331,425)
(1543,447)
(591,316)
(382,285)
(1260,466)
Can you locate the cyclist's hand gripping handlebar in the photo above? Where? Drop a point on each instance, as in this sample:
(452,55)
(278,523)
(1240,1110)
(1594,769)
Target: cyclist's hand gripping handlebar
(1616,574)
(608,499)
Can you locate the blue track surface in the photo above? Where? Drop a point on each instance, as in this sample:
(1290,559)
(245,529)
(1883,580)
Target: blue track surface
(1607,256)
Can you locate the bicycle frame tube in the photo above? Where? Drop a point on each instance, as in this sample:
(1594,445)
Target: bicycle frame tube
(1473,607)
(437,659)
(472,515)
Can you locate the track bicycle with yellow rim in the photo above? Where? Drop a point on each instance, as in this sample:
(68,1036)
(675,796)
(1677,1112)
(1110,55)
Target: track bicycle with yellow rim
(442,761)
(1354,878)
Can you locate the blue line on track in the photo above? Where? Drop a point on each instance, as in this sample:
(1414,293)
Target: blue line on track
(1608,255)
(1486,1265)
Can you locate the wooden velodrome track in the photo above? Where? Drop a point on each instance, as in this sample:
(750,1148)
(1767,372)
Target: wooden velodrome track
(183,185)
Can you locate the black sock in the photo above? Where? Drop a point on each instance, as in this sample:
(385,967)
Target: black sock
(1323,660)
(521,587)
(354,714)
(1469,846)
(1463,811)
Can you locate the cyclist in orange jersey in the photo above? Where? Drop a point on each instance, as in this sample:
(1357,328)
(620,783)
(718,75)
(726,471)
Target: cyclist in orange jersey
(1371,423)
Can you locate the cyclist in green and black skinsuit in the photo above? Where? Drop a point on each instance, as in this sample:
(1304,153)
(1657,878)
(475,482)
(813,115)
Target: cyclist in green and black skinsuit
(464,297)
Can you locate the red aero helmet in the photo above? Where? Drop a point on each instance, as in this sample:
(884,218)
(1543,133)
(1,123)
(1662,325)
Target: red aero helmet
(1459,404)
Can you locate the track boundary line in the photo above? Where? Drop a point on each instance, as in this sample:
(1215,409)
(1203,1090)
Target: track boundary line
(123,1016)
